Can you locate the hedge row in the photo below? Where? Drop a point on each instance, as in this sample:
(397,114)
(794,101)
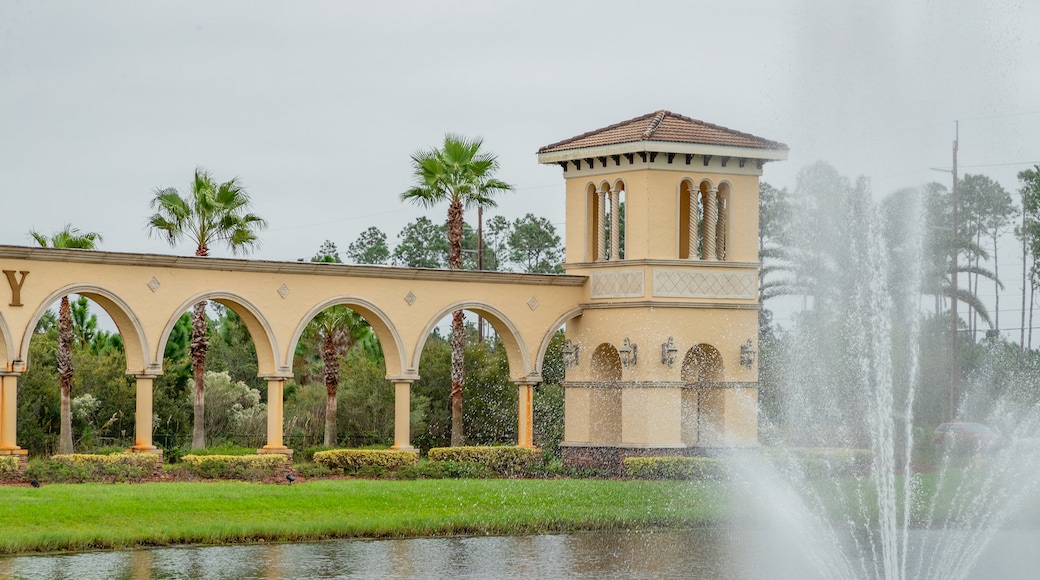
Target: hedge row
(510,461)
(681,468)
(355,460)
(80,467)
(248,467)
(814,462)
(8,465)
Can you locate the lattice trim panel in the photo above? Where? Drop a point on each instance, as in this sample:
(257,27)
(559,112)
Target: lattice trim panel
(687,284)
(617,284)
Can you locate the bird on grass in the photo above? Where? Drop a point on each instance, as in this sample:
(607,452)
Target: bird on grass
(34,482)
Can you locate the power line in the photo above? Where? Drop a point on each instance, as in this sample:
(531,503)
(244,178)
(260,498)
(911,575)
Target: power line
(1003,164)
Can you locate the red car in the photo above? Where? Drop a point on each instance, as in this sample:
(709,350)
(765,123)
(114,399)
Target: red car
(964,433)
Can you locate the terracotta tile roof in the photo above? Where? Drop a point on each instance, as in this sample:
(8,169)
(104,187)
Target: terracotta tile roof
(663,126)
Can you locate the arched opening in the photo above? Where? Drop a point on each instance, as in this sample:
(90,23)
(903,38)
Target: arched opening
(343,351)
(216,394)
(75,395)
(605,399)
(722,236)
(491,370)
(615,223)
(689,220)
(702,402)
(595,224)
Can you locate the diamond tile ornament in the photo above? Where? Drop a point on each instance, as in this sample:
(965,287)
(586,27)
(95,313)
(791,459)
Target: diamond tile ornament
(153,284)
(533,303)
(283,290)
(409,298)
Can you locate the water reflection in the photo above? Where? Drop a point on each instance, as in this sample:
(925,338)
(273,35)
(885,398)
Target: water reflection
(722,553)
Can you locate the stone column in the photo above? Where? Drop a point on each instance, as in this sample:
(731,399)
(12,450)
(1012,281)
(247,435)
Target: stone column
(525,414)
(275,443)
(9,414)
(720,230)
(711,216)
(694,225)
(143,416)
(615,225)
(601,226)
(402,415)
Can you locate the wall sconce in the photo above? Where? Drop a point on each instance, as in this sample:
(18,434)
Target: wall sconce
(629,353)
(570,354)
(747,354)
(668,351)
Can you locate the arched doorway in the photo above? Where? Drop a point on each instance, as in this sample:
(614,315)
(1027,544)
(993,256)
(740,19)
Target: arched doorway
(702,400)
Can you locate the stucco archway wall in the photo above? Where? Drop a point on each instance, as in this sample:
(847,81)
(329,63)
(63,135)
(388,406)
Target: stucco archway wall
(135,342)
(264,340)
(389,338)
(544,346)
(6,346)
(520,367)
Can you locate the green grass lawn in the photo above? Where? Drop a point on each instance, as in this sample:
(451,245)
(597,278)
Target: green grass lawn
(90,516)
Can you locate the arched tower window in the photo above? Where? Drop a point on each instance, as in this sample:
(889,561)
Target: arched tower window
(689,221)
(608,221)
(722,223)
(616,222)
(596,216)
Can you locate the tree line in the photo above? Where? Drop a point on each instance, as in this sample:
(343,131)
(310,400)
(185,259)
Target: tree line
(813,242)
(211,359)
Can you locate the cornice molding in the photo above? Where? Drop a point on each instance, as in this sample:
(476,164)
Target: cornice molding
(668,304)
(274,267)
(692,264)
(658,385)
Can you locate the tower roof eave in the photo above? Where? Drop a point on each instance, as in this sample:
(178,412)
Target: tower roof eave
(552,157)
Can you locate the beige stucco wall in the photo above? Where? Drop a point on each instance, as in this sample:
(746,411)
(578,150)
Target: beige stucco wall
(276,300)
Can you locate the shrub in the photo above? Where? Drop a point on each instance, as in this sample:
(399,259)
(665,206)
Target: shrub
(353,460)
(173,454)
(108,450)
(308,453)
(80,467)
(225,449)
(509,461)
(445,470)
(249,467)
(8,465)
(311,469)
(817,462)
(682,468)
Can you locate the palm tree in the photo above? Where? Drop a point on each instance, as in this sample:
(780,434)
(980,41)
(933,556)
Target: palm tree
(214,213)
(462,175)
(67,238)
(336,330)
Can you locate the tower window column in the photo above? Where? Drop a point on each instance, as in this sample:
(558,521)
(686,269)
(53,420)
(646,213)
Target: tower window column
(615,224)
(711,216)
(693,227)
(601,233)
(720,230)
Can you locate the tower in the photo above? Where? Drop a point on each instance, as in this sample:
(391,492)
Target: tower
(662,216)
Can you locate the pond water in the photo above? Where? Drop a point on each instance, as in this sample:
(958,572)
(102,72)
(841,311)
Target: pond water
(700,553)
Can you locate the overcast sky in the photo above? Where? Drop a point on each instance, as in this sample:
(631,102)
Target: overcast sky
(316,106)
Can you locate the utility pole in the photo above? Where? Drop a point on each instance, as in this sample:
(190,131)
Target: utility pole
(954,370)
(480,263)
